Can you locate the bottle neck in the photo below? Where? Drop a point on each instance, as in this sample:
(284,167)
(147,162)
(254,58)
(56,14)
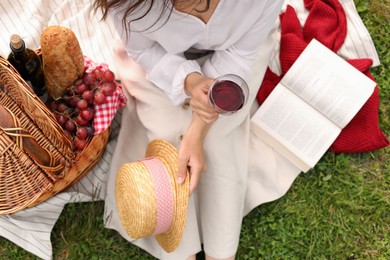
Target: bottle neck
(19,52)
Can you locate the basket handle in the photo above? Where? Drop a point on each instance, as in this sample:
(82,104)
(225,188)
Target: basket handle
(11,125)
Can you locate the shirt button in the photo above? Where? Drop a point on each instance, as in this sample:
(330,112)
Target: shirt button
(186,105)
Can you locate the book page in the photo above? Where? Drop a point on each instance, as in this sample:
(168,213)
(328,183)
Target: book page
(294,128)
(329,83)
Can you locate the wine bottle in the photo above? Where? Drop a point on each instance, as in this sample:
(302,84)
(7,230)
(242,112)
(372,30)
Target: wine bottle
(28,64)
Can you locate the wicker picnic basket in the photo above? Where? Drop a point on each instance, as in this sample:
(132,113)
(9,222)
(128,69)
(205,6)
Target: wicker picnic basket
(36,158)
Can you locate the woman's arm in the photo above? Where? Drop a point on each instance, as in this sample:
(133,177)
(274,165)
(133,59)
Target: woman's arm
(238,58)
(166,70)
(191,153)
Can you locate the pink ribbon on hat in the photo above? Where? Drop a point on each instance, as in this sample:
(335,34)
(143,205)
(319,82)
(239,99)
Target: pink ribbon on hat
(164,194)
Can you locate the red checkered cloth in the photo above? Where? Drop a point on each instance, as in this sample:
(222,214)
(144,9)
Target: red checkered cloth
(106,112)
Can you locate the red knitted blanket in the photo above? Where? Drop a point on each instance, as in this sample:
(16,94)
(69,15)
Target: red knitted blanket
(327,23)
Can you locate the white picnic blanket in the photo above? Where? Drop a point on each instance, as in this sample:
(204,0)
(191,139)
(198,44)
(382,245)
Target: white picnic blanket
(31,228)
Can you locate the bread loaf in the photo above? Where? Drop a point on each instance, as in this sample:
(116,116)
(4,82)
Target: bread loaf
(63,60)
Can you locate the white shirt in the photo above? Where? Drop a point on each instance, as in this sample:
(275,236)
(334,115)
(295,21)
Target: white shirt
(234,31)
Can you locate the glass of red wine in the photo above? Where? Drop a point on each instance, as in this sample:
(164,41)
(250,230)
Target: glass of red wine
(228,93)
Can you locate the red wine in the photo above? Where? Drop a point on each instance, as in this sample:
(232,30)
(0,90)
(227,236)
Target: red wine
(28,64)
(227,95)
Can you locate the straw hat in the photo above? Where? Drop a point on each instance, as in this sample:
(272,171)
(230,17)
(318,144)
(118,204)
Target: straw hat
(150,202)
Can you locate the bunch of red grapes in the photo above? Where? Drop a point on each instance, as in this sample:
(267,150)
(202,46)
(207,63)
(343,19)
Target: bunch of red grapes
(75,110)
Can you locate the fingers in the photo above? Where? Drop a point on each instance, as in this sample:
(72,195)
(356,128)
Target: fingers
(120,49)
(191,158)
(120,53)
(194,171)
(182,169)
(194,177)
(206,116)
(202,108)
(183,166)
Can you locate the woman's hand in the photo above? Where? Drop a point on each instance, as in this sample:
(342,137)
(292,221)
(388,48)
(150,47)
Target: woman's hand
(191,153)
(197,86)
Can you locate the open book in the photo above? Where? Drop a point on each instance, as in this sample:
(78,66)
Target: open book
(315,100)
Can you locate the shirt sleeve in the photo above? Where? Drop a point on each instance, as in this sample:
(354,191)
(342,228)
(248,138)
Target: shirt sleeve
(238,58)
(167,71)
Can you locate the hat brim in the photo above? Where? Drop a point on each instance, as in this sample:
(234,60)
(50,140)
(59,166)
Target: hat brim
(168,155)
(135,200)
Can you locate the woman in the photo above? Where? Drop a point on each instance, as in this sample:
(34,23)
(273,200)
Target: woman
(158,35)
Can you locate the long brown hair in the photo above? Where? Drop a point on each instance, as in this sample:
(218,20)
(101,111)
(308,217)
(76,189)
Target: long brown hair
(133,5)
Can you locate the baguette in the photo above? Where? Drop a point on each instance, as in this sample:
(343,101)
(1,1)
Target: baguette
(63,60)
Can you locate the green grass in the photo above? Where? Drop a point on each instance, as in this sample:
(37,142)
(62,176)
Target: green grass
(339,210)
